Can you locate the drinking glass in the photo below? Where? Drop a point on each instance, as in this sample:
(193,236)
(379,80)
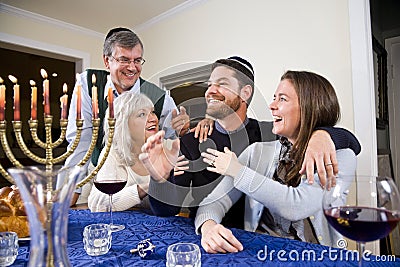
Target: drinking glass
(183,254)
(367,212)
(97,239)
(110,187)
(8,248)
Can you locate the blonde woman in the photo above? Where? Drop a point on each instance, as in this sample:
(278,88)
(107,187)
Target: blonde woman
(135,122)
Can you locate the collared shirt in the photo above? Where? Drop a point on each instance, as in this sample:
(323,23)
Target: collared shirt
(221,129)
(86,134)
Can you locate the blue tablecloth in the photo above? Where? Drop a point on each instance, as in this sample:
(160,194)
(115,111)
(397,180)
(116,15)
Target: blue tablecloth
(258,249)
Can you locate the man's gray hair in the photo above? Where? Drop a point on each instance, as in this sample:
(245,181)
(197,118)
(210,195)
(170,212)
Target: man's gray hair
(123,38)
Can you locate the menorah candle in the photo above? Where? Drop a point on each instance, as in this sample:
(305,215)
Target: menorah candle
(95,107)
(78,97)
(46,93)
(110,100)
(16,98)
(64,102)
(2,99)
(33,100)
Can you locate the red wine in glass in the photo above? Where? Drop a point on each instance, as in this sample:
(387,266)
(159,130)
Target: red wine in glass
(362,223)
(111,187)
(372,210)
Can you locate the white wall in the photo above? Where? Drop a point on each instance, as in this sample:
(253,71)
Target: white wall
(332,38)
(35,31)
(274,35)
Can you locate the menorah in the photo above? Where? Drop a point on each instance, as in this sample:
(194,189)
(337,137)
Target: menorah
(46,202)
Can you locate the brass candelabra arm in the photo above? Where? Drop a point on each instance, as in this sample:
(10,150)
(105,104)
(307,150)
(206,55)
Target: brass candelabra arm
(95,134)
(79,124)
(7,151)
(111,124)
(33,125)
(63,127)
(18,134)
(48,121)
(5,174)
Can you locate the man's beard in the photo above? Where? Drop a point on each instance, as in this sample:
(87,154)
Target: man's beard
(227,108)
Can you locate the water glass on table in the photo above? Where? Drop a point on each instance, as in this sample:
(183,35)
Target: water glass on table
(97,239)
(183,255)
(8,248)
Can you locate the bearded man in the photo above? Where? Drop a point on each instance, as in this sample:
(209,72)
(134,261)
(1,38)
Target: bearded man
(229,93)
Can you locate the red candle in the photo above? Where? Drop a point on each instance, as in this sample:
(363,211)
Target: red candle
(2,99)
(110,100)
(33,100)
(94,98)
(78,97)
(16,98)
(64,102)
(46,93)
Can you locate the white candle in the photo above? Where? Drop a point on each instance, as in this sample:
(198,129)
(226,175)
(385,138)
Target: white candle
(16,98)
(46,93)
(33,100)
(79,97)
(2,100)
(95,109)
(64,102)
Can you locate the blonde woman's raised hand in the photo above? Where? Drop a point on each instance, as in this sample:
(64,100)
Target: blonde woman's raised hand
(157,158)
(181,165)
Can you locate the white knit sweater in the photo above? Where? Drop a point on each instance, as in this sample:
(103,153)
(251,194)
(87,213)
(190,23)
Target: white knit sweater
(128,197)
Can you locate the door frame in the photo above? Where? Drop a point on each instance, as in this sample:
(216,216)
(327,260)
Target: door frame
(393,107)
(17,43)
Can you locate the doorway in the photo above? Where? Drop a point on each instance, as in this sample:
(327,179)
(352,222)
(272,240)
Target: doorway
(393,48)
(385,28)
(25,65)
(187,88)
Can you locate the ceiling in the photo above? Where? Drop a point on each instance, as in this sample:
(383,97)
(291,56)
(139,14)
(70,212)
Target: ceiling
(101,15)
(98,15)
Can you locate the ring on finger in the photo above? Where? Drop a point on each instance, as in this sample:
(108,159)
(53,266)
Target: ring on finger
(212,162)
(329,164)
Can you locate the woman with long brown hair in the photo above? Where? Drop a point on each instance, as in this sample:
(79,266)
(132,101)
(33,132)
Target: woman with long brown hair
(279,200)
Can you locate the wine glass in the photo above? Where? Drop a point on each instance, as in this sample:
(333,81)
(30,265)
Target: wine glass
(365,212)
(111,186)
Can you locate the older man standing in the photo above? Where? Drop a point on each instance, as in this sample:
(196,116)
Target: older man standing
(123,59)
